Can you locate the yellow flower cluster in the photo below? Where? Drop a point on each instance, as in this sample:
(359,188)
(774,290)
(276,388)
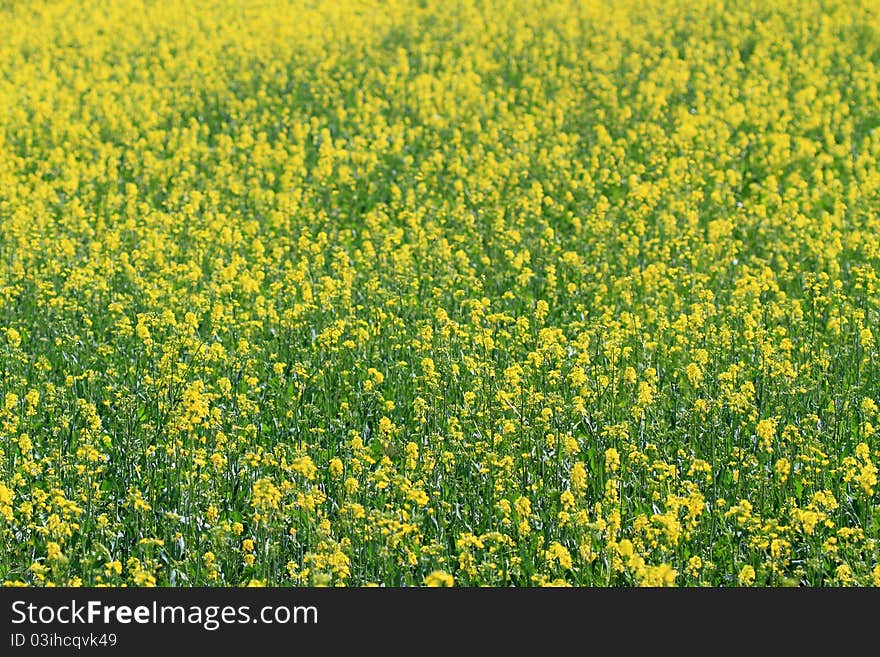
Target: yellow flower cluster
(435,293)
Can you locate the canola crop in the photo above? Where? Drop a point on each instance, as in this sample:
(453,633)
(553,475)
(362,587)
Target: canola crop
(477,292)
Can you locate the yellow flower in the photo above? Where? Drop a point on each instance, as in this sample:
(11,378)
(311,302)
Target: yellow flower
(766,430)
(541,309)
(783,469)
(845,575)
(439,578)
(5,501)
(746,576)
(53,551)
(13,337)
(386,426)
(265,495)
(305,467)
(523,506)
(212,513)
(612,459)
(560,554)
(578,478)
(694,374)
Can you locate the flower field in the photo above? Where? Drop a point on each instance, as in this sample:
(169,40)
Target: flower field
(411,292)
